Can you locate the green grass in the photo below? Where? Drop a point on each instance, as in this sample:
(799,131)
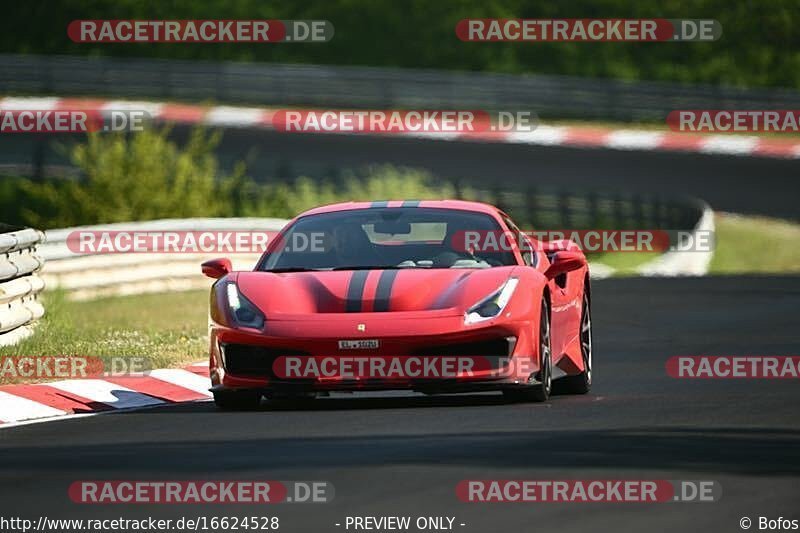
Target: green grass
(755,245)
(166,329)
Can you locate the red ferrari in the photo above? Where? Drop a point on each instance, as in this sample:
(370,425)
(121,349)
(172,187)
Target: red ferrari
(429,296)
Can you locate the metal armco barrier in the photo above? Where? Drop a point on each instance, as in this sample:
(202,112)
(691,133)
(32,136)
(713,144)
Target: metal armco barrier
(116,274)
(538,208)
(371,87)
(20,284)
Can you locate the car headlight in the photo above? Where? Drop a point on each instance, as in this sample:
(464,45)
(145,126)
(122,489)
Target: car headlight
(492,305)
(244,312)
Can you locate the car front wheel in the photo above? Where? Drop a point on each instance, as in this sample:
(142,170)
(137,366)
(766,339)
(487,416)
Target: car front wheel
(541,383)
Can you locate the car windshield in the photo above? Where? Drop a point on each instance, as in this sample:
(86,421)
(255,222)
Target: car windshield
(380,238)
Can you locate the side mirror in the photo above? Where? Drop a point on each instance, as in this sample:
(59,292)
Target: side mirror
(216,268)
(563,262)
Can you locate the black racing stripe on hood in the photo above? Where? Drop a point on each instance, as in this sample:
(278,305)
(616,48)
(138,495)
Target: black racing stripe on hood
(384,292)
(381,203)
(410,203)
(355,291)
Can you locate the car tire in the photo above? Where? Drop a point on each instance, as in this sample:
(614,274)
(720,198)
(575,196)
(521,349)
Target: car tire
(581,383)
(540,390)
(237,400)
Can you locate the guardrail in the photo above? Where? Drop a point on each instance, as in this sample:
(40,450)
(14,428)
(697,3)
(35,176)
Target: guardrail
(86,276)
(371,87)
(20,284)
(545,208)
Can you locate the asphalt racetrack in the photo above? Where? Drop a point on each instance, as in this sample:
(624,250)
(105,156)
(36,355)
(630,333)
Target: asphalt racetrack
(403,456)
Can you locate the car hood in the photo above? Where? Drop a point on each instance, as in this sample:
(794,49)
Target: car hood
(400,290)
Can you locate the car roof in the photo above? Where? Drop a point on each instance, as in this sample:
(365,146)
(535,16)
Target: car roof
(461,205)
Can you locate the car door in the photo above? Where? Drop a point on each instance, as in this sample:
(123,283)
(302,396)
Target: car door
(565,292)
(558,295)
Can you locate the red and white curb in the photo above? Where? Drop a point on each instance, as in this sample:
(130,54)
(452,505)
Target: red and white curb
(544,135)
(73,397)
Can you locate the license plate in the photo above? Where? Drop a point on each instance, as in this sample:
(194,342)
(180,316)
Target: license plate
(369,344)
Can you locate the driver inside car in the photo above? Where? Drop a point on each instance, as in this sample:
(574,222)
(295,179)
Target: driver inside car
(351,246)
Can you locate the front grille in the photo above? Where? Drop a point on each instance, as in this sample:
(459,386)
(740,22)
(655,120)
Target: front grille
(246,360)
(257,361)
(500,347)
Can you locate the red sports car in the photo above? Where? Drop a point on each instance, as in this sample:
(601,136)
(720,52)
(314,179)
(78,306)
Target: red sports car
(429,296)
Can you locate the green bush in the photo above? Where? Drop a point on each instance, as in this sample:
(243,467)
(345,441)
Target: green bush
(133,177)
